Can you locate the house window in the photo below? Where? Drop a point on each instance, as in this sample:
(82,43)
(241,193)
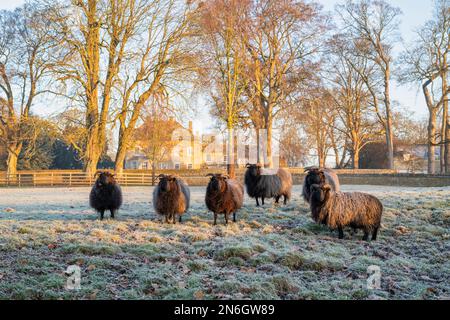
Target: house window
(145,166)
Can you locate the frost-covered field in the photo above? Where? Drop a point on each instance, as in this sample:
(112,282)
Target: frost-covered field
(271,253)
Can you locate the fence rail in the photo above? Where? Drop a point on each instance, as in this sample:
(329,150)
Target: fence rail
(75,178)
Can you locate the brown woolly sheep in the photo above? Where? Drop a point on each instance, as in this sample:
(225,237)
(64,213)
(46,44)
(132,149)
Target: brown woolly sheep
(224,196)
(261,184)
(340,209)
(171,197)
(105,194)
(320,177)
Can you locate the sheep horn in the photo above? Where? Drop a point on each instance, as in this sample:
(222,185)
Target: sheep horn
(210,175)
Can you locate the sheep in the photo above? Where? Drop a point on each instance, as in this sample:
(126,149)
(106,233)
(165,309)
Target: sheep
(320,177)
(106,194)
(224,196)
(171,197)
(262,185)
(340,209)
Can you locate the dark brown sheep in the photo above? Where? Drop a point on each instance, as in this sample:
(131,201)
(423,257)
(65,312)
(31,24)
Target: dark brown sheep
(171,198)
(106,194)
(224,196)
(341,209)
(320,177)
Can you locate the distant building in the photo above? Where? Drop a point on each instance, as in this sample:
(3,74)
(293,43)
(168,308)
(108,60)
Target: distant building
(414,158)
(192,152)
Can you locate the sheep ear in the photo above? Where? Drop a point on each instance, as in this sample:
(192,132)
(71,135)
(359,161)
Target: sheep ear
(226,177)
(97,174)
(161,176)
(326,187)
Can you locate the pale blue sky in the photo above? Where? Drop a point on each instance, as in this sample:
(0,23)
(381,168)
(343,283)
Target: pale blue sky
(415,13)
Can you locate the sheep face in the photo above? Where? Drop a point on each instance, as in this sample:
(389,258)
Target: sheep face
(218,182)
(315,176)
(319,194)
(166,183)
(254,169)
(105,179)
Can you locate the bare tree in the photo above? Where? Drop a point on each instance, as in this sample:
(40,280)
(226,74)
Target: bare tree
(26,45)
(351,97)
(372,25)
(318,116)
(282,45)
(223,28)
(425,62)
(96,35)
(159,61)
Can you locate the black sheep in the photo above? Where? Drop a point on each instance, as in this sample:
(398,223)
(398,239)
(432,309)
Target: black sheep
(262,185)
(106,194)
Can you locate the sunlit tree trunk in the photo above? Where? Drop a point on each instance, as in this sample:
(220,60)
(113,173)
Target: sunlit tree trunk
(432,142)
(13,159)
(389,132)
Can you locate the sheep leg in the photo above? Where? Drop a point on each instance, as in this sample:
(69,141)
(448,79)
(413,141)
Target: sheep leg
(174,218)
(102,214)
(226,218)
(285,200)
(366,235)
(277,199)
(180,219)
(341,233)
(374,234)
(215,218)
(167,218)
(234,216)
(112,214)
(257,202)
(262,200)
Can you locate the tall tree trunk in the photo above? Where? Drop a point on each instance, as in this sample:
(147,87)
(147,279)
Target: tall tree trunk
(443,145)
(93,147)
(446,137)
(269,143)
(321,160)
(389,133)
(120,156)
(153,173)
(355,158)
(258,147)
(447,145)
(13,158)
(230,152)
(432,141)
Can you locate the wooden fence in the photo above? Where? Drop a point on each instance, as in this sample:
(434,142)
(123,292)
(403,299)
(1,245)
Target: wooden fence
(76,178)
